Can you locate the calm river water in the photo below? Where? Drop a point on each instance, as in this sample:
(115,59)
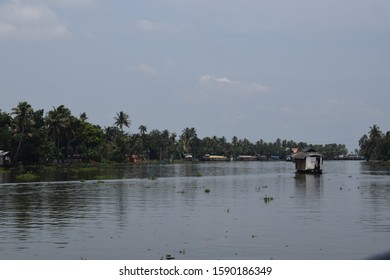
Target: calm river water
(216,210)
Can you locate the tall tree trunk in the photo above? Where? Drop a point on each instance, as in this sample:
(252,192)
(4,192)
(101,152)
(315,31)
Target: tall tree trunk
(19,145)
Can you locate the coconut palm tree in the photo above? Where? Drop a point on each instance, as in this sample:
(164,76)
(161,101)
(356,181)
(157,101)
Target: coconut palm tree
(187,137)
(57,122)
(122,119)
(369,144)
(142,130)
(23,117)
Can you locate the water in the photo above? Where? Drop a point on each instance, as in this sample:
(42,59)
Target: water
(253,210)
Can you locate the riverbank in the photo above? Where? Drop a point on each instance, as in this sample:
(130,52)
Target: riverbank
(76,171)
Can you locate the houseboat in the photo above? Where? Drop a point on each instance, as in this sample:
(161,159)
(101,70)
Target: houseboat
(308,161)
(246,158)
(208,157)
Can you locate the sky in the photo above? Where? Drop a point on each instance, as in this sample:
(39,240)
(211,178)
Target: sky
(305,70)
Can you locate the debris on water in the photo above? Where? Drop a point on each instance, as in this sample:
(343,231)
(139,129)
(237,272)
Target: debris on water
(206,190)
(268,199)
(169,257)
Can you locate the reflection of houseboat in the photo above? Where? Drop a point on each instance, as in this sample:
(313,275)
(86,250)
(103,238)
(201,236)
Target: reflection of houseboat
(246,158)
(308,161)
(208,157)
(5,158)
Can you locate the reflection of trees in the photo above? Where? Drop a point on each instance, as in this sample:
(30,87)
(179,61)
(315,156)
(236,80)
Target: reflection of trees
(28,208)
(121,195)
(376,205)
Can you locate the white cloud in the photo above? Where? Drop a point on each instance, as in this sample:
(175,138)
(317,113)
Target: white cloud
(65,3)
(23,21)
(151,26)
(147,69)
(227,85)
(73,3)
(145,25)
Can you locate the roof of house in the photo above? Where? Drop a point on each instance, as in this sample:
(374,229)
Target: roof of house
(3,153)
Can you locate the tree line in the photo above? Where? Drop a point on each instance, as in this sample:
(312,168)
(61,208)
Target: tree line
(57,136)
(375,145)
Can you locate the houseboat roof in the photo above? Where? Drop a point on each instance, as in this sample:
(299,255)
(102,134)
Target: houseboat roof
(307,152)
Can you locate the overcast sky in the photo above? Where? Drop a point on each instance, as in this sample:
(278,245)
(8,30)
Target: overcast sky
(306,70)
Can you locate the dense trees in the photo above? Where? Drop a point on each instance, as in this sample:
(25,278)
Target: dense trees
(375,145)
(57,136)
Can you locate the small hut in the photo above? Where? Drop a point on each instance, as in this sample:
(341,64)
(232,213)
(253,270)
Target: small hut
(308,161)
(5,158)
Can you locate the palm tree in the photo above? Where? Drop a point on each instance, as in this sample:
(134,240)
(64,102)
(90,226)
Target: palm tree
(23,117)
(122,119)
(187,138)
(369,144)
(142,130)
(57,122)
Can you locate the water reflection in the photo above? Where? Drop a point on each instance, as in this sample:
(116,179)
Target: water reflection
(308,187)
(159,209)
(374,188)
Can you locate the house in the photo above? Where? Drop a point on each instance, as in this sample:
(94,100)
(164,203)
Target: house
(5,158)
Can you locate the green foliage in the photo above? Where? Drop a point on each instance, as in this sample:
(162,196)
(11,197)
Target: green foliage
(58,136)
(27,177)
(375,145)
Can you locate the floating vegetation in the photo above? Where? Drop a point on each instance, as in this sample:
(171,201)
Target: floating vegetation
(206,190)
(169,257)
(103,177)
(27,177)
(268,199)
(199,174)
(86,169)
(182,252)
